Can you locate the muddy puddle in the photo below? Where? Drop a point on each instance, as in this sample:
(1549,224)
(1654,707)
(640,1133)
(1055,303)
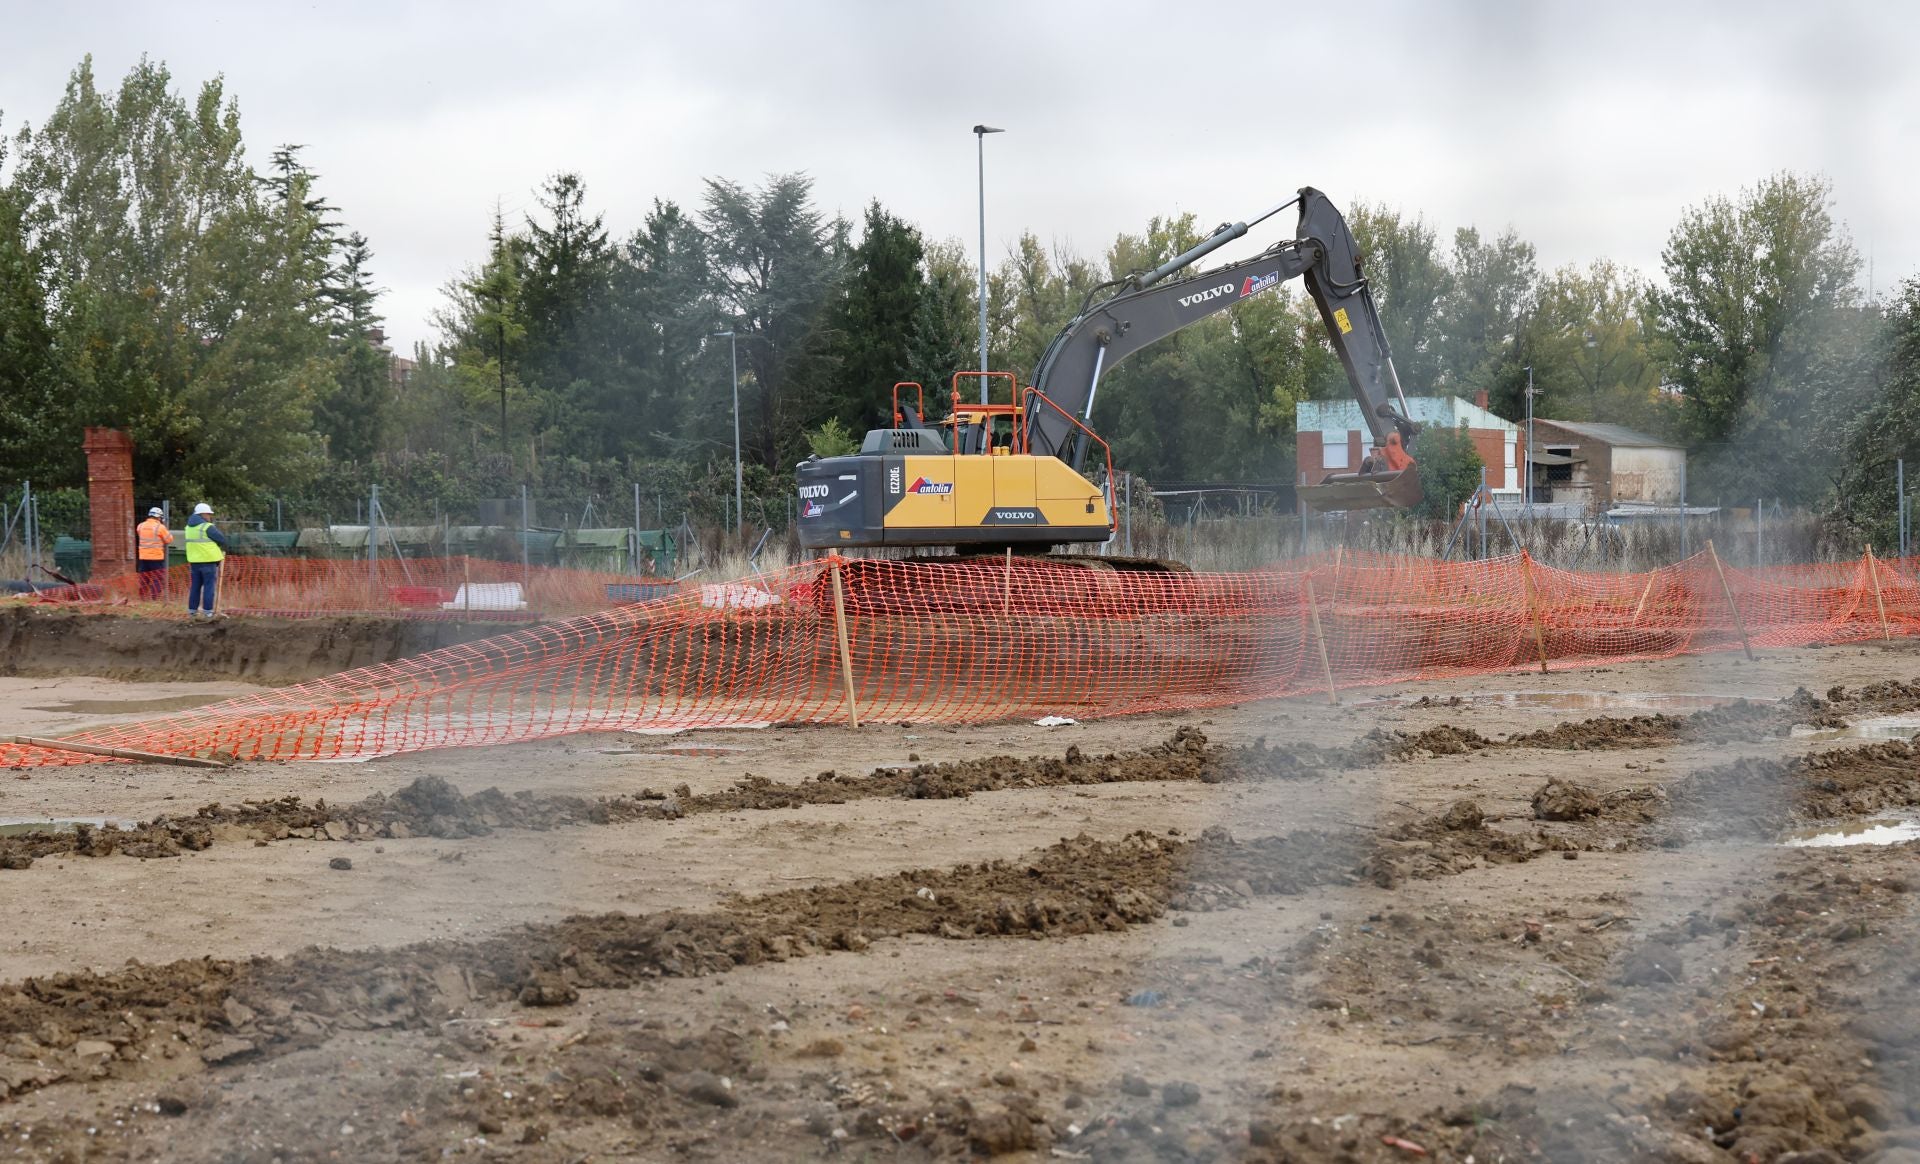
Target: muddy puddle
(1885,831)
(1602,701)
(1878,727)
(130,706)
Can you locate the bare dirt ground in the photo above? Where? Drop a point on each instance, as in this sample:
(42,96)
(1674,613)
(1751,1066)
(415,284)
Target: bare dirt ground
(1514,918)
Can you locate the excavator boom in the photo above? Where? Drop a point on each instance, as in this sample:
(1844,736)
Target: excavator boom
(1146,308)
(971,483)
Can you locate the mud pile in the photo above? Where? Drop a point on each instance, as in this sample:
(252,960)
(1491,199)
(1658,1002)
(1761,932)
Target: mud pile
(79,1026)
(430,806)
(160,838)
(1762,797)
(1382,745)
(1886,697)
(90,1025)
(1740,721)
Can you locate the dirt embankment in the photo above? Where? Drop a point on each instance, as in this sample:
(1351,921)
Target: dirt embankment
(37,640)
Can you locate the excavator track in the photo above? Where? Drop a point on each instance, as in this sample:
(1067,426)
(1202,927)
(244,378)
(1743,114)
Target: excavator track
(999,584)
(1094,562)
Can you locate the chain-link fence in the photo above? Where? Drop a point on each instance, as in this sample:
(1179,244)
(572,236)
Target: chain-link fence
(672,523)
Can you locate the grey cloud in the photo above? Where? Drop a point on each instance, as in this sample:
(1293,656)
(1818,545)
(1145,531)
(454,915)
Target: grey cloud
(1588,127)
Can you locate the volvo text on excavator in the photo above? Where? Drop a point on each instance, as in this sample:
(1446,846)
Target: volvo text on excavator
(1012,475)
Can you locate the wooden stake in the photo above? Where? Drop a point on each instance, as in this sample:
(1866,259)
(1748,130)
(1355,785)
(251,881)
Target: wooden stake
(1873,569)
(1739,624)
(840,630)
(1644,595)
(117,753)
(1006,587)
(1533,607)
(466,580)
(1320,639)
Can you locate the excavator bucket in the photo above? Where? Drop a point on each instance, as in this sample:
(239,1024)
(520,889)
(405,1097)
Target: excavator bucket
(1363,491)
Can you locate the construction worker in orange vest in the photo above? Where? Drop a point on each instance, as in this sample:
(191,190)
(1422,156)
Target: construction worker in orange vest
(154,538)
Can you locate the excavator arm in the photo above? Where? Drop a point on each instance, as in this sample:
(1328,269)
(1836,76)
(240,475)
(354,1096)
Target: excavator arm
(1144,308)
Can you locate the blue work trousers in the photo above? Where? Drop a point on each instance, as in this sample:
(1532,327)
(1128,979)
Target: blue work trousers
(206,579)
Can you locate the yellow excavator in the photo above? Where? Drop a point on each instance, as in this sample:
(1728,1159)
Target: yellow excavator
(1013,475)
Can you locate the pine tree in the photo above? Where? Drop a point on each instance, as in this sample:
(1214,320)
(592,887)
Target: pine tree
(352,414)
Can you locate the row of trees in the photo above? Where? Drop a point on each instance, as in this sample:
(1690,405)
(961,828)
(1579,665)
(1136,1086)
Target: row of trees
(154,279)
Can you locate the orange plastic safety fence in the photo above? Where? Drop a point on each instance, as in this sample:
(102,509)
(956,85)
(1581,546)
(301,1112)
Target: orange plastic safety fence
(429,588)
(983,640)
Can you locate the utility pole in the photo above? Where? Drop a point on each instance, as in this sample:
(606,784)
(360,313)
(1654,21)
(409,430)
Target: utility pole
(733,346)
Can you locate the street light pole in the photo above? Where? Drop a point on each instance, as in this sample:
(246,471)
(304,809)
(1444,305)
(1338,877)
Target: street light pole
(980,133)
(1527,458)
(733,347)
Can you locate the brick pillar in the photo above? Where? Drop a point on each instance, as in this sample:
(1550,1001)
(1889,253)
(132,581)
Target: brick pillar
(110,501)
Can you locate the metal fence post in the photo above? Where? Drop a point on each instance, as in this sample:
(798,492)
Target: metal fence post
(1300,503)
(1481,502)
(31,528)
(373,541)
(1684,550)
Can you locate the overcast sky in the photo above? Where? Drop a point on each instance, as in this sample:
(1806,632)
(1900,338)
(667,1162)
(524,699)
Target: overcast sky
(1586,126)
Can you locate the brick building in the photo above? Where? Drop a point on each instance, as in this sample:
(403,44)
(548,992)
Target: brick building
(1331,437)
(1598,468)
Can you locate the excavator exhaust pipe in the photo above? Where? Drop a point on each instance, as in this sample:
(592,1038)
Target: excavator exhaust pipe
(1345,491)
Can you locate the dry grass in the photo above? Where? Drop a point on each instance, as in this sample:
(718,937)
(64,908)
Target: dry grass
(1227,544)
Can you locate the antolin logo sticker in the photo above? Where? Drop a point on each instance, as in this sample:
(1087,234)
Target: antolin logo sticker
(1203,296)
(922,485)
(1253,285)
(812,509)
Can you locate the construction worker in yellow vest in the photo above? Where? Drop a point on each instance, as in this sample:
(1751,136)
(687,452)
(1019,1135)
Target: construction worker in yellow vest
(153,538)
(206,548)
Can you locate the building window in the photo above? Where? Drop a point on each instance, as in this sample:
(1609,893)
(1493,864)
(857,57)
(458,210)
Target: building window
(1562,474)
(1333,450)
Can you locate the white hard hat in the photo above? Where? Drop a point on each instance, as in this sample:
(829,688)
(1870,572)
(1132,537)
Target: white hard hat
(203,507)
(155,512)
